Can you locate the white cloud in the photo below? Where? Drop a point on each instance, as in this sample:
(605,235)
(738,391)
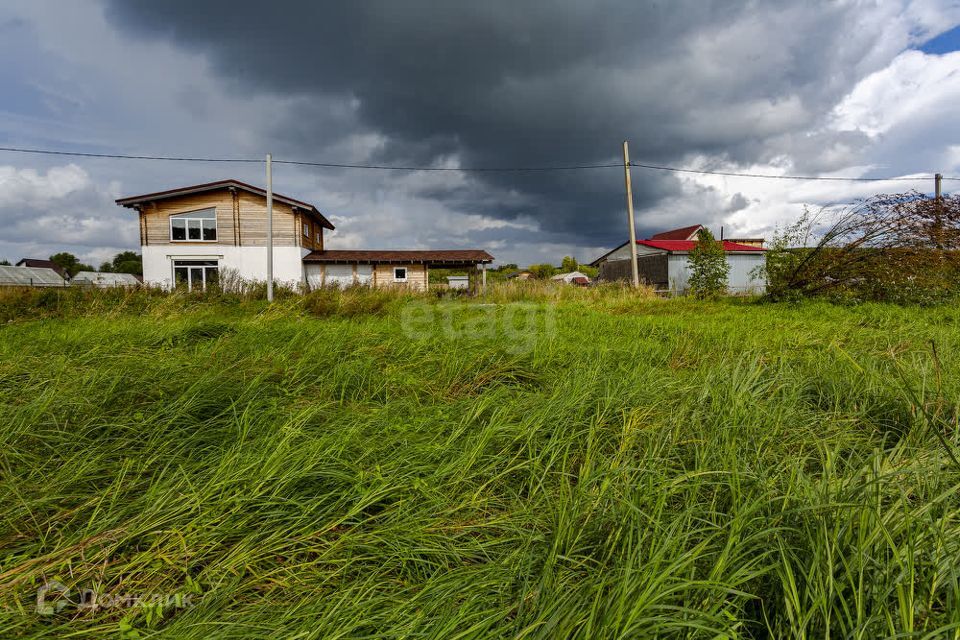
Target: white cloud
(741,88)
(915,86)
(62,208)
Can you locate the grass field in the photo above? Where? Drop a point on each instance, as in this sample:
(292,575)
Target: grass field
(592,465)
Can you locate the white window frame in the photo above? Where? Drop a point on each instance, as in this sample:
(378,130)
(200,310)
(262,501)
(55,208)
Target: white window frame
(398,279)
(192,216)
(194,262)
(319,236)
(306,230)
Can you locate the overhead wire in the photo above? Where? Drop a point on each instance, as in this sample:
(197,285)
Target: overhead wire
(518,169)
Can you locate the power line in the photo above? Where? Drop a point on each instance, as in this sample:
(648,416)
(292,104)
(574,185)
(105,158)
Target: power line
(49,152)
(331,165)
(772,176)
(575,167)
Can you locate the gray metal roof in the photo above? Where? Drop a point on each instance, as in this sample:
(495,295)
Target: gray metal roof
(29,277)
(100,279)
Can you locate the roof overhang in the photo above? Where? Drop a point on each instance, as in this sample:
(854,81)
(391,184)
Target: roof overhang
(442,259)
(596,263)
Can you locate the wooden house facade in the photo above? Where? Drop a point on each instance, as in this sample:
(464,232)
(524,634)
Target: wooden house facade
(193,236)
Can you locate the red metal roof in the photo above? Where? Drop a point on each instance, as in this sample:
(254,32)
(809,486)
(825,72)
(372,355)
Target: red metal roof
(222,184)
(683,233)
(443,256)
(688,245)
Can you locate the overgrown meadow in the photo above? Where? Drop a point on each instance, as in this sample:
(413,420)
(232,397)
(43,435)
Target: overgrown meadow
(537,463)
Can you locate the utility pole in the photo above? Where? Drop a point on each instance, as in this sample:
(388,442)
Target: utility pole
(938,208)
(633,228)
(269,228)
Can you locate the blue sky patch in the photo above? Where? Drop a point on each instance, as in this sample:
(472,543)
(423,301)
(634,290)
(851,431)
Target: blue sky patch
(944,43)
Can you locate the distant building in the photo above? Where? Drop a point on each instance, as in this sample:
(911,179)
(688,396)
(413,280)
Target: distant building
(663,261)
(458,282)
(189,235)
(683,233)
(750,242)
(573,277)
(519,275)
(103,280)
(42,264)
(30,277)
(690,233)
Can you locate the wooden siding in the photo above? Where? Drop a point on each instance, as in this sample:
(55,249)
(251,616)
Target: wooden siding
(309,241)
(253,222)
(241,220)
(416,276)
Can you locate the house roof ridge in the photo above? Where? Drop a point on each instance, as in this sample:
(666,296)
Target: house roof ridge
(131,201)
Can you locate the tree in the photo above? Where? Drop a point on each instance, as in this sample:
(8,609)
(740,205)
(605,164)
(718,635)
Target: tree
(69,263)
(127,262)
(5,263)
(588,271)
(542,271)
(570,264)
(124,262)
(709,268)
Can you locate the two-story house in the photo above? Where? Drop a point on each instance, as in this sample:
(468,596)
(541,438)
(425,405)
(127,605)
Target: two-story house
(190,236)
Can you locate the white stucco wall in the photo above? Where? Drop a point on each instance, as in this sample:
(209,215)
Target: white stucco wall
(741,279)
(250,263)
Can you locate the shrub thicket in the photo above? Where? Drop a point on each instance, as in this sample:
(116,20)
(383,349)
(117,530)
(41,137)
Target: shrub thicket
(902,248)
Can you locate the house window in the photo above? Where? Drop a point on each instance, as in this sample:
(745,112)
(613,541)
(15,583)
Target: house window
(195,274)
(194,226)
(319,238)
(306,229)
(399,274)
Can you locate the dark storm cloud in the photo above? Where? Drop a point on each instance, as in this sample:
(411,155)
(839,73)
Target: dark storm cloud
(529,83)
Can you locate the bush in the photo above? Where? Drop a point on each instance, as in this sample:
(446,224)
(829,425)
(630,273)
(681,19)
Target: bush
(902,248)
(709,269)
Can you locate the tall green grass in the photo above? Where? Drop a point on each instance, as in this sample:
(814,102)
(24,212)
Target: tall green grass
(644,468)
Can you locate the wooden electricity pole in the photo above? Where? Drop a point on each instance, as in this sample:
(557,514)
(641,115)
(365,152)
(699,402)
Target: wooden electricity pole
(938,185)
(633,228)
(269,227)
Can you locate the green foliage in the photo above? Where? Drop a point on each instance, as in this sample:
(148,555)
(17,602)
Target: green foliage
(350,302)
(647,468)
(69,263)
(902,248)
(124,262)
(570,264)
(542,271)
(5,263)
(709,269)
(588,271)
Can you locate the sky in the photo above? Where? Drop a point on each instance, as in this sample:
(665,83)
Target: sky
(845,88)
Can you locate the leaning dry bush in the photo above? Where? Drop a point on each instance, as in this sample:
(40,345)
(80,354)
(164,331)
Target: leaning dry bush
(901,248)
